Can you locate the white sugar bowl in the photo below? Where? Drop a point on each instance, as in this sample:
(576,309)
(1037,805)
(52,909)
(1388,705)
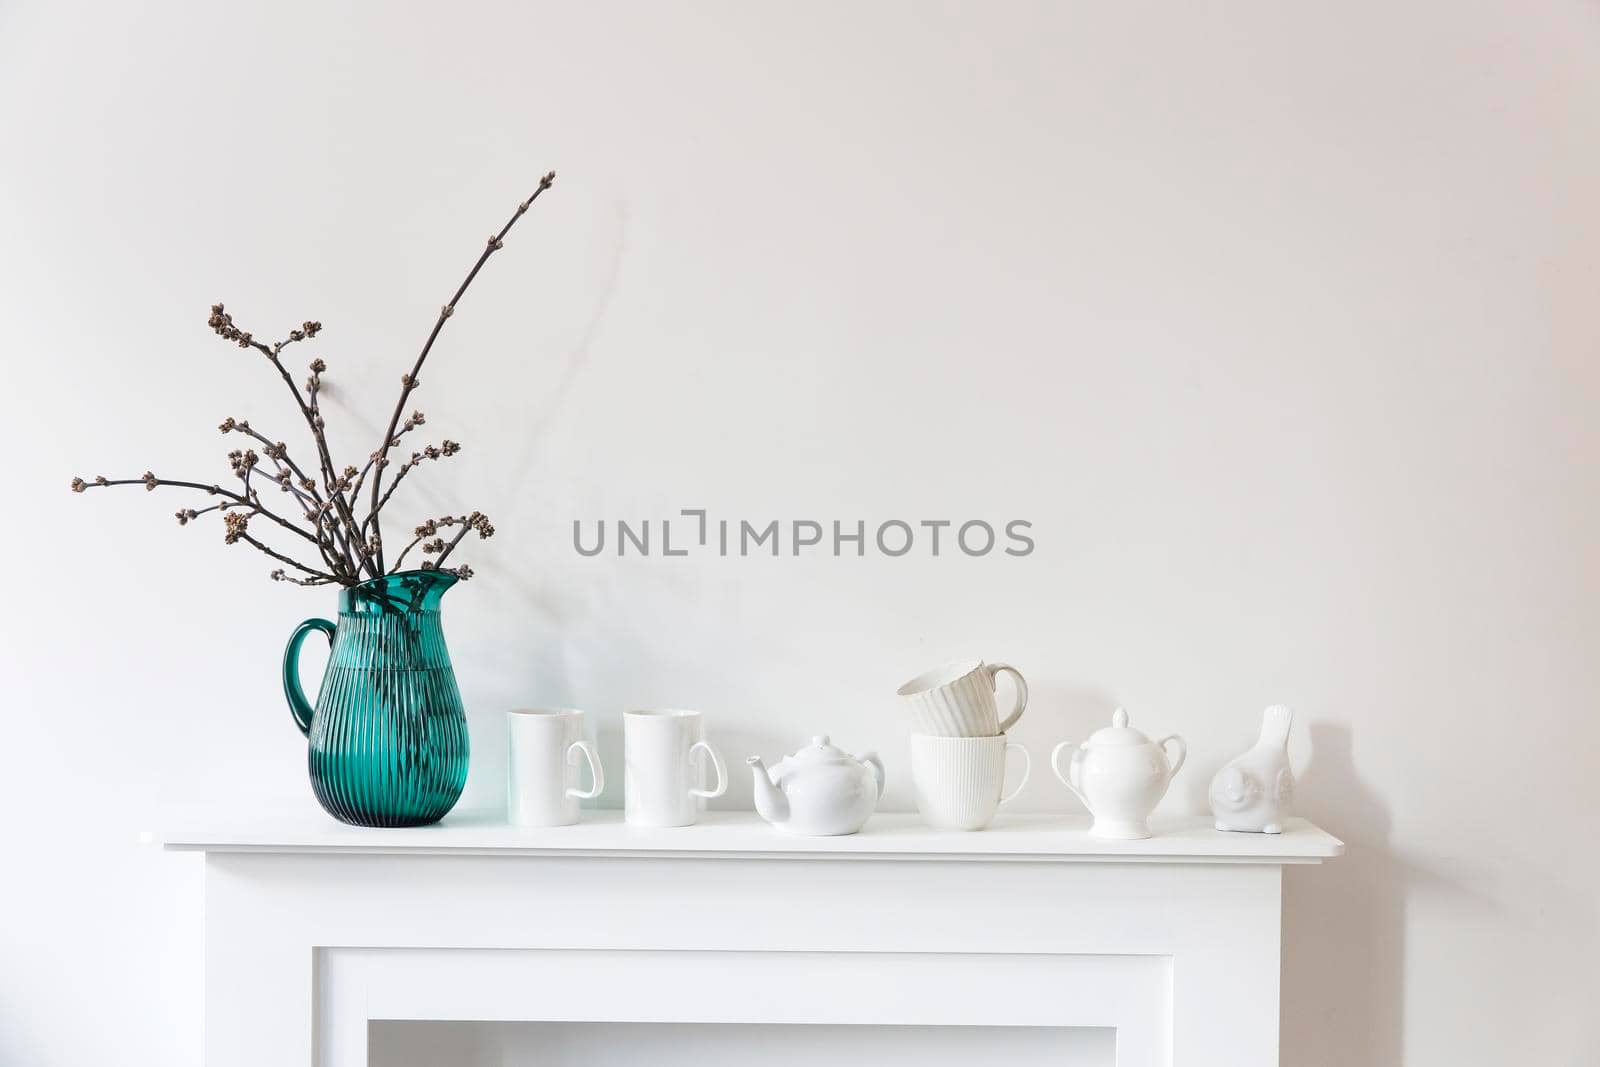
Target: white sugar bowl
(1120,775)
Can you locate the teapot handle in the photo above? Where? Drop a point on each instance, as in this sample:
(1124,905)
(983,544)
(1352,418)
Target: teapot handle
(299,707)
(1183,753)
(871,760)
(1066,779)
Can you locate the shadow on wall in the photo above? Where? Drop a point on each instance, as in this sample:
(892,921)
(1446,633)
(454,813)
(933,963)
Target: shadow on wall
(1343,932)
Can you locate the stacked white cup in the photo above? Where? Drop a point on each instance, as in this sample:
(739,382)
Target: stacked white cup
(959,745)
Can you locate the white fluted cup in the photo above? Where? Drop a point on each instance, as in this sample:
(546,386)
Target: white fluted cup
(959,780)
(957,700)
(543,746)
(659,776)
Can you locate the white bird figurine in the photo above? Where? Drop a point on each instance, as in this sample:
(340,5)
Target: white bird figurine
(1254,792)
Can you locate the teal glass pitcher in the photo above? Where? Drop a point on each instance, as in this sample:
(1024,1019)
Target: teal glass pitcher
(387,739)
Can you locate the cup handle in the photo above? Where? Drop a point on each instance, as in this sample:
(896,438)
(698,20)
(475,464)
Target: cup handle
(1183,754)
(1022,693)
(1027,769)
(597,777)
(722,773)
(1066,779)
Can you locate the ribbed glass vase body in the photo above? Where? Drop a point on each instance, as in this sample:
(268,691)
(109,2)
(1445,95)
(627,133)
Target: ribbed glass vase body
(387,738)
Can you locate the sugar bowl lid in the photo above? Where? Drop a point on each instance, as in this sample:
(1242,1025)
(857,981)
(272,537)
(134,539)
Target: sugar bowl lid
(1118,734)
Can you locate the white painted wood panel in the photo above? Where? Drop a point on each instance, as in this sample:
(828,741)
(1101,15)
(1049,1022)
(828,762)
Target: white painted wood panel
(312,933)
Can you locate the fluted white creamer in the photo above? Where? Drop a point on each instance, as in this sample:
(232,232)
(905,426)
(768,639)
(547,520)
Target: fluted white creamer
(1254,792)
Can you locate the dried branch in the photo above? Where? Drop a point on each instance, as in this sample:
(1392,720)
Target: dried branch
(222,323)
(430,529)
(415,419)
(404,551)
(351,550)
(151,483)
(476,521)
(444,450)
(281,558)
(278,452)
(280,575)
(408,382)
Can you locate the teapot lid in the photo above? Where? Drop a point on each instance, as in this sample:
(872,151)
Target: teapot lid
(820,750)
(1119,733)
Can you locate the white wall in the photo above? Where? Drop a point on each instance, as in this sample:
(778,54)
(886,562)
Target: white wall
(1275,319)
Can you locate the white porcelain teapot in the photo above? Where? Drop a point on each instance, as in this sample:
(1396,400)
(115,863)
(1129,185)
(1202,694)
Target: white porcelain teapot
(820,791)
(1120,775)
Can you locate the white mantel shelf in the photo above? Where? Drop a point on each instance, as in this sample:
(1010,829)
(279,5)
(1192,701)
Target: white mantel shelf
(742,835)
(315,930)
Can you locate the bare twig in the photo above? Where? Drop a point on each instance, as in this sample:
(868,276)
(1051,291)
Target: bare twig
(222,323)
(281,558)
(402,558)
(476,521)
(415,419)
(325,459)
(350,549)
(280,575)
(151,482)
(444,450)
(408,382)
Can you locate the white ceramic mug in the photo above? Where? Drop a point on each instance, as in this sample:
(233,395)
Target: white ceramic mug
(659,783)
(957,700)
(959,779)
(542,766)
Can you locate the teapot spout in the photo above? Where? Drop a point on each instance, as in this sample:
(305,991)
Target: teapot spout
(771,804)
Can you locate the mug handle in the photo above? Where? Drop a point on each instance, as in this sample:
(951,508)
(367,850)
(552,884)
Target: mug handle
(722,772)
(597,777)
(299,706)
(1022,693)
(1027,769)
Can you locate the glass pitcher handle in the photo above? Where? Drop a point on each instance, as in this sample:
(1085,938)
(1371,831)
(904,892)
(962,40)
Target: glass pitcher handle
(298,705)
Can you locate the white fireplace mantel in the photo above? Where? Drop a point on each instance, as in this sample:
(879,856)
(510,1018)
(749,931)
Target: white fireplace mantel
(314,929)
